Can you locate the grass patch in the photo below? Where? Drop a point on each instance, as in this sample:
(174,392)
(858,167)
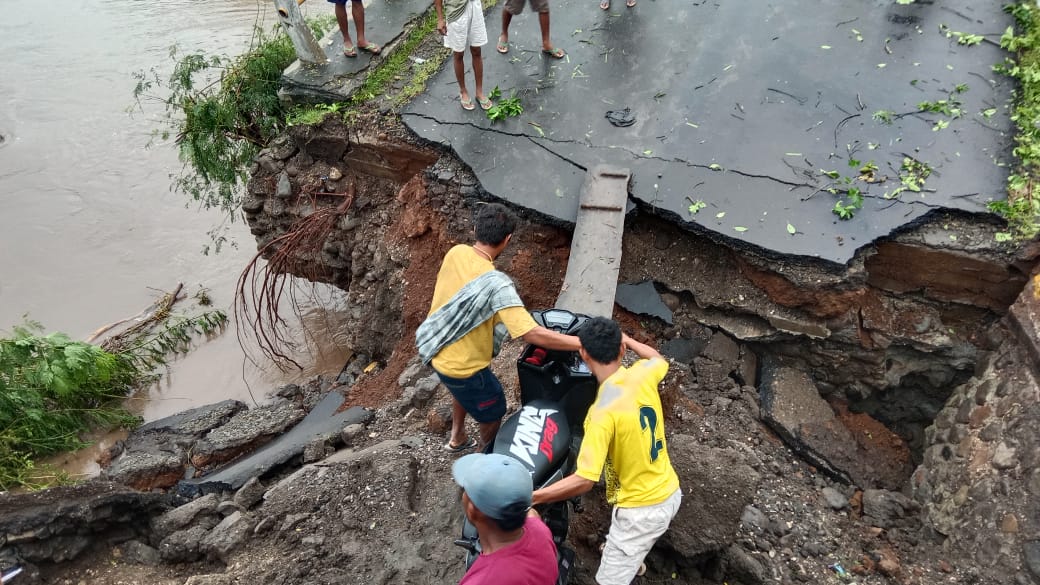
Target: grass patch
(1021,209)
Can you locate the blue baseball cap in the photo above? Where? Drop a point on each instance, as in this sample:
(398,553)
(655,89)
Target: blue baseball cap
(498,485)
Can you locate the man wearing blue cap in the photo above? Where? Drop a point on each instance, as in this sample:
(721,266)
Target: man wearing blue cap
(516,547)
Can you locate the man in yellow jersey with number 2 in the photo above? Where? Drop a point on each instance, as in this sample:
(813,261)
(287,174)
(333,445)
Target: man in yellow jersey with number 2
(624,429)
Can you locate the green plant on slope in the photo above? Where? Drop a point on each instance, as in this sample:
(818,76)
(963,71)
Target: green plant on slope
(221,111)
(54,389)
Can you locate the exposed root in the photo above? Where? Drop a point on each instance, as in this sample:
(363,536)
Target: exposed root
(262,286)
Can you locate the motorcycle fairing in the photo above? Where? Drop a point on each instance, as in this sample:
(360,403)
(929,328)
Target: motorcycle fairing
(538,435)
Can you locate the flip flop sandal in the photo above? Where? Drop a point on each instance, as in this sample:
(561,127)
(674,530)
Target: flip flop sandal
(502,46)
(372,48)
(556,53)
(469,444)
(467,105)
(350,51)
(485,104)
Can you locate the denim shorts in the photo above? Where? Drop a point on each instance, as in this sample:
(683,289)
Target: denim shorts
(480,394)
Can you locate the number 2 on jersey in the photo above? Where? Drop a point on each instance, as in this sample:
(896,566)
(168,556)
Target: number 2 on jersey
(648,418)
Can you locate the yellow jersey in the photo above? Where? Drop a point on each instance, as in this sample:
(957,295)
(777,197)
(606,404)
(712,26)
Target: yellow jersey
(472,352)
(626,425)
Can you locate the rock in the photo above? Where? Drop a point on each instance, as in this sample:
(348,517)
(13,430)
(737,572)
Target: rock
(267,163)
(139,553)
(315,450)
(723,350)
(747,369)
(182,516)
(717,486)
(154,461)
(1004,457)
(335,174)
(889,567)
(351,433)
(438,419)
(419,395)
(791,405)
(411,442)
(887,509)
(250,494)
(743,567)
(1031,557)
(228,507)
(835,499)
(682,350)
(410,373)
(244,432)
(1009,524)
(227,536)
(183,545)
(284,189)
(289,391)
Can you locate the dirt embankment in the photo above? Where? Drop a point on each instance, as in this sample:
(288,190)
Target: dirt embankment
(879,353)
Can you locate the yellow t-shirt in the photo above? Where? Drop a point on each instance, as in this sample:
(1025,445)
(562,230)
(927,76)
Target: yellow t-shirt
(626,424)
(472,352)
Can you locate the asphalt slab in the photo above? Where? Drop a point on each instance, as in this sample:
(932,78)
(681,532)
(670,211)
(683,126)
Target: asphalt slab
(746,115)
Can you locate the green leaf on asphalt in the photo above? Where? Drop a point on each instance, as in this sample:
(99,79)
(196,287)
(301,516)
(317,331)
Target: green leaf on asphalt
(790,229)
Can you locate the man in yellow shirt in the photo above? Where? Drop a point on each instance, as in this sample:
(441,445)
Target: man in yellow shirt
(470,301)
(625,426)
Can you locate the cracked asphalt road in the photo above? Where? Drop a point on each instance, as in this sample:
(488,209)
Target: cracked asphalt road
(753,108)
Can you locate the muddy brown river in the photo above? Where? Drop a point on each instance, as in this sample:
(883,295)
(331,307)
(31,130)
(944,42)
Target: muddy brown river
(89,228)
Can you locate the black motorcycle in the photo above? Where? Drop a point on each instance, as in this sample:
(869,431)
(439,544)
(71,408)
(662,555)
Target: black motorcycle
(556,390)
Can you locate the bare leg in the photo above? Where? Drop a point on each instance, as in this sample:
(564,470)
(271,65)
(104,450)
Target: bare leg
(507,17)
(488,432)
(543,22)
(357,8)
(478,71)
(344,24)
(458,423)
(460,76)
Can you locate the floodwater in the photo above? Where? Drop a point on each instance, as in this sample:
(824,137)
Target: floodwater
(90,231)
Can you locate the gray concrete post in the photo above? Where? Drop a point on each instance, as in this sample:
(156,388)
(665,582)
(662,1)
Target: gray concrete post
(307,48)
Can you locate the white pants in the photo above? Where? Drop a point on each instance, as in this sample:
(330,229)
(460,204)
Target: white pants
(468,30)
(633,532)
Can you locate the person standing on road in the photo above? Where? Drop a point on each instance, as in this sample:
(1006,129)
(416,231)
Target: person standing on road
(516,546)
(462,24)
(474,307)
(514,7)
(624,429)
(357,9)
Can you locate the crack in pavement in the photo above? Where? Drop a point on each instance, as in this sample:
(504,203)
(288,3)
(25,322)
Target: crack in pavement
(536,141)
